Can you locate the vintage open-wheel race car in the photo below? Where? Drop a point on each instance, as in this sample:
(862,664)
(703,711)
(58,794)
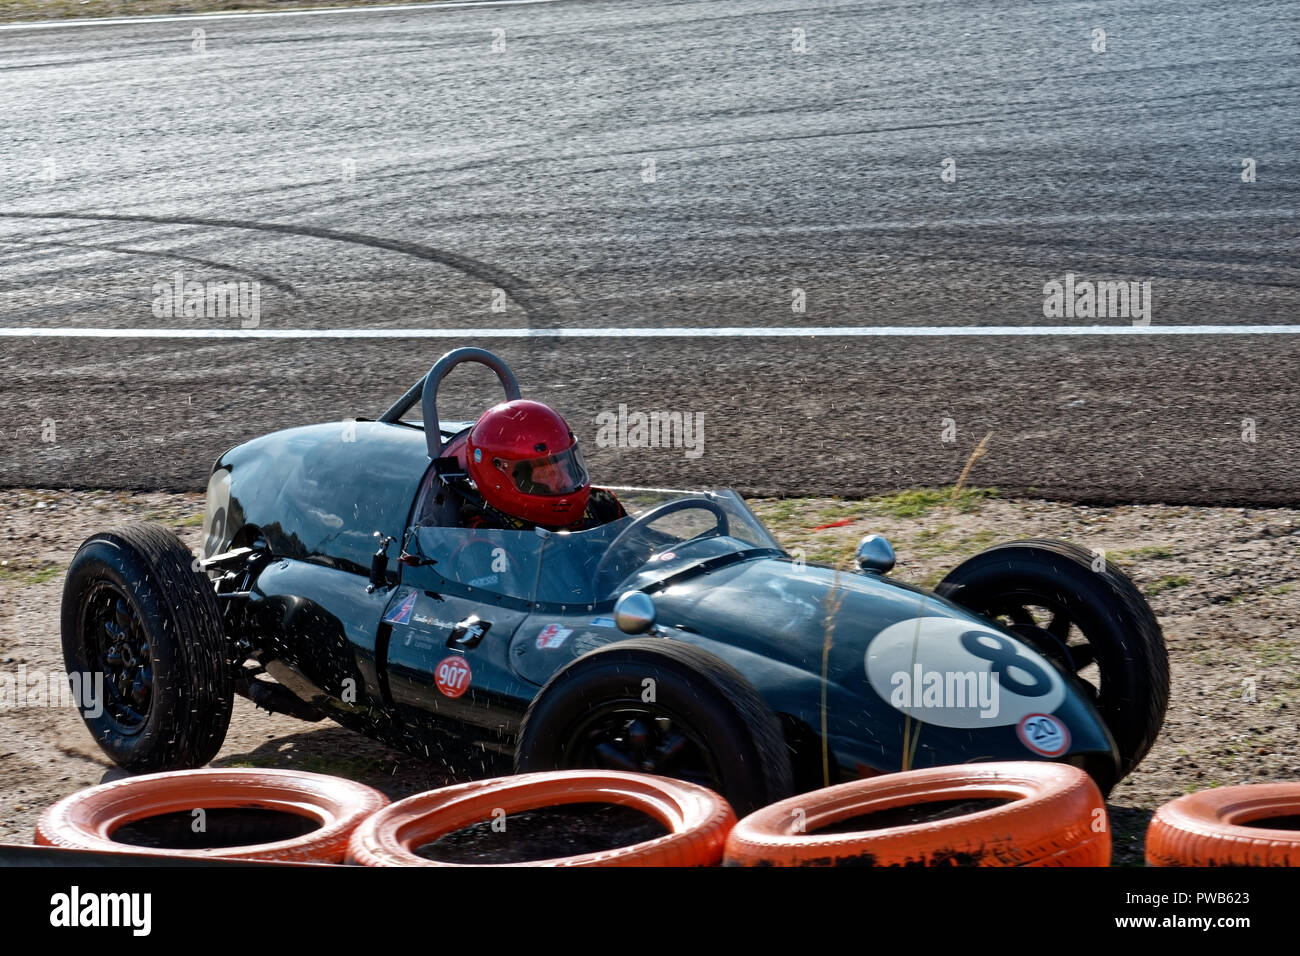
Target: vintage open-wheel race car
(679,639)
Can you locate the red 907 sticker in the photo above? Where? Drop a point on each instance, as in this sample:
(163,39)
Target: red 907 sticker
(452,676)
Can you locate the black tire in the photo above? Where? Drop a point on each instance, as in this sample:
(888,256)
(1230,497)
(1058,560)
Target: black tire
(734,743)
(1109,621)
(136,609)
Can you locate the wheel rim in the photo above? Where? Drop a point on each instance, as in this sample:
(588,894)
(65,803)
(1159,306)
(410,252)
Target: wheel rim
(118,647)
(1048,627)
(641,738)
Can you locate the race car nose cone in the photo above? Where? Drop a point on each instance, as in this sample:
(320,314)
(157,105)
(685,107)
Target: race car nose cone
(875,554)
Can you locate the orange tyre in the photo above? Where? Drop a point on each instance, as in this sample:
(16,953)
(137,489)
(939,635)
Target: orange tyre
(327,808)
(697,819)
(1046,814)
(1245,825)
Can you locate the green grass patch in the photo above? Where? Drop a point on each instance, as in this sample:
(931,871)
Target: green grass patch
(931,580)
(830,554)
(782,509)
(941,540)
(42,575)
(977,541)
(794,516)
(1168,583)
(1273,653)
(353,768)
(781,516)
(929,537)
(14,574)
(839,510)
(918,502)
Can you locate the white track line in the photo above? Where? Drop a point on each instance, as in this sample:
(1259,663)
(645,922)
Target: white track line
(753,332)
(314,12)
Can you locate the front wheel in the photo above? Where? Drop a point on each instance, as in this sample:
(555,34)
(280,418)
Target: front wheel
(658,706)
(1086,617)
(144,645)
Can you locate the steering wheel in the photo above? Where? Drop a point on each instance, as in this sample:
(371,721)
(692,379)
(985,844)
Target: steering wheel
(624,541)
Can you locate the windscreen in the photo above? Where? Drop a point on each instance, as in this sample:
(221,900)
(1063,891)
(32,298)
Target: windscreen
(670,529)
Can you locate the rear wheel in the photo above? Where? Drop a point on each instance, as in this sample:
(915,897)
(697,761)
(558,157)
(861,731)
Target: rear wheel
(650,705)
(1094,625)
(142,631)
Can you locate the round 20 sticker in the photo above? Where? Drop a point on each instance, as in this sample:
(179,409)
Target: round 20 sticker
(1044,734)
(452,675)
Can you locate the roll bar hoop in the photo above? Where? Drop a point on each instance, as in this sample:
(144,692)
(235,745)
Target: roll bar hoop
(426,391)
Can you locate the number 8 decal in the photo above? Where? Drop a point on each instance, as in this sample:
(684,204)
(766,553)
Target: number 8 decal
(1003,655)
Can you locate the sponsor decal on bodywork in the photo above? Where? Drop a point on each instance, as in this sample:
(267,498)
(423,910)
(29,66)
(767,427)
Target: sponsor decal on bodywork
(432,621)
(589,641)
(552,636)
(453,676)
(1044,734)
(401,613)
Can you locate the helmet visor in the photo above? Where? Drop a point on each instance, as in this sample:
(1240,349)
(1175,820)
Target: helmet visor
(552,475)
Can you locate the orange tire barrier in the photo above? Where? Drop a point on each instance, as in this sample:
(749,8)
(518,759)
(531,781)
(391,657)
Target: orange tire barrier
(1051,819)
(697,819)
(1209,828)
(87,820)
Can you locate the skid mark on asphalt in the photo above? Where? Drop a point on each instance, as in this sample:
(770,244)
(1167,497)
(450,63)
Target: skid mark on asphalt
(325,11)
(111,368)
(149,253)
(536,306)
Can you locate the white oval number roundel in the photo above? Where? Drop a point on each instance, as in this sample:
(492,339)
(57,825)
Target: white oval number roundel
(956,673)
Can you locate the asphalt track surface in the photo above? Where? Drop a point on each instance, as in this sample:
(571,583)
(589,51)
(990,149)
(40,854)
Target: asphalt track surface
(391,170)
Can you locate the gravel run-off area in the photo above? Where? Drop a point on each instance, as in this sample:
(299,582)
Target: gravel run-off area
(1223,583)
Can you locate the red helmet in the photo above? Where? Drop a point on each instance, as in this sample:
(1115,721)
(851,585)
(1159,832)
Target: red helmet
(525,462)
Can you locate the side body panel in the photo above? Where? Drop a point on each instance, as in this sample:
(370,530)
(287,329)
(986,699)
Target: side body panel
(318,493)
(323,623)
(450,676)
(774,620)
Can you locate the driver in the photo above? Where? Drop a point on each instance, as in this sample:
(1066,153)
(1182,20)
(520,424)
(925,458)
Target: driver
(526,467)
